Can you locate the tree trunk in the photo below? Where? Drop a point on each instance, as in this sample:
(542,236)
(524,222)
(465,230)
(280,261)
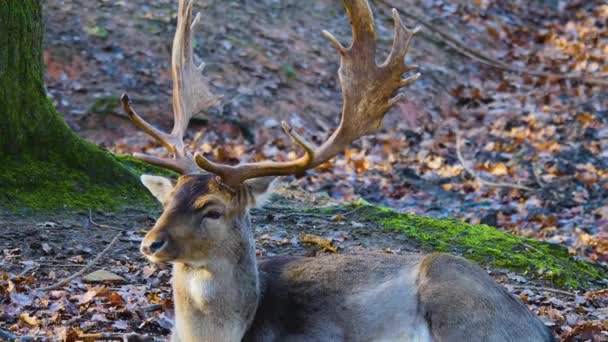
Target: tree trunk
(44,164)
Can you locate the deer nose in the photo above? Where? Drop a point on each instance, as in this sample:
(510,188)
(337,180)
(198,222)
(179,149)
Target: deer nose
(154,247)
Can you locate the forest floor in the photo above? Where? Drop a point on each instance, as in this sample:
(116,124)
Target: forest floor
(41,251)
(533,158)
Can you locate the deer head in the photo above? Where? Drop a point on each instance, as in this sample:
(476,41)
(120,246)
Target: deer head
(203,211)
(202,219)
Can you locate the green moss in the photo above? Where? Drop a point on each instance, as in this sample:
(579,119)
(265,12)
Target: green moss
(29,184)
(97,31)
(289,71)
(489,246)
(485,245)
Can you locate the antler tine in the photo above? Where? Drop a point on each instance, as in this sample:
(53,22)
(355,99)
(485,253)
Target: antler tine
(191,94)
(401,44)
(369,91)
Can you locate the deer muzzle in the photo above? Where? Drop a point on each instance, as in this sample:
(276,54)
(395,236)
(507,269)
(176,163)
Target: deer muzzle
(154,246)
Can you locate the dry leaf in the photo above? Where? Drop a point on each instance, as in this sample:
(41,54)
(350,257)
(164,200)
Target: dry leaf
(29,320)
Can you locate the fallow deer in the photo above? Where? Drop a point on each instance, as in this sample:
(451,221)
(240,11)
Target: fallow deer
(222,293)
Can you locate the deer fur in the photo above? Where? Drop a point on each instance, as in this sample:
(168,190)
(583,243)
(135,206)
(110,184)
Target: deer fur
(222,293)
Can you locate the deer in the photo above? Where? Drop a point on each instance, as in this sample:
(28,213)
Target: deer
(222,292)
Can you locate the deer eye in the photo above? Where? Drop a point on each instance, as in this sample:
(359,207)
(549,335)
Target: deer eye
(212,214)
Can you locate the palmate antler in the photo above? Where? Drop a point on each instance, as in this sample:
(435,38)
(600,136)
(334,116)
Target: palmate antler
(369,91)
(191,95)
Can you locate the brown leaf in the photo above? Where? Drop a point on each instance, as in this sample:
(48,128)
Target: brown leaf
(29,320)
(324,244)
(115,299)
(338,218)
(88,296)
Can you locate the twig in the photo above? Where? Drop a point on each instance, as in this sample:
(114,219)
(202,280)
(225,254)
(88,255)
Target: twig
(477,177)
(299,214)
(86,268)
(99,224)
(545,289)
(102,336)
(126,337)
(27,269)
(54,264)
(536,174)
(352,211)
(480,57)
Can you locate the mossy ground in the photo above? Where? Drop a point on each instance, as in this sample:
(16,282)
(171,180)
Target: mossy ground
(485,245)
(30,184)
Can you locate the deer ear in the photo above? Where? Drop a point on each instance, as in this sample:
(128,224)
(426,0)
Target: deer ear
(159,186)
(260,188)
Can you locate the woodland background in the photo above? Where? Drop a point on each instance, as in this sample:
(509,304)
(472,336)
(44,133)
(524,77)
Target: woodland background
(508,127)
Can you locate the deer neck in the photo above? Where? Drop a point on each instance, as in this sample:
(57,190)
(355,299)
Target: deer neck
(217,300)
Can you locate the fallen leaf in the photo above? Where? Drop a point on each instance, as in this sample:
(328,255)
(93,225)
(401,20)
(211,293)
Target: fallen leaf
(324,244)
(103,276)
(115,299)
(29,320)
(121,325)
(88,296)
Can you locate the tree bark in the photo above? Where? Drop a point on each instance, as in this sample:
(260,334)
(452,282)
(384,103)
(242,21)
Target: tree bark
(39,153)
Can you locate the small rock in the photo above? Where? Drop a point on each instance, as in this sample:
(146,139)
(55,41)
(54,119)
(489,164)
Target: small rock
(46,248)
(490,219)
(103,276)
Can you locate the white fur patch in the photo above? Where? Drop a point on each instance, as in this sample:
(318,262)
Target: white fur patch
(201,286)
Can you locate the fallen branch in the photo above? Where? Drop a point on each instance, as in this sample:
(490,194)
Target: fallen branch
(545,289)
(85,268)
(123,337)
(27,269)
(101,336)
(99,224)
(477,177)
(480,57)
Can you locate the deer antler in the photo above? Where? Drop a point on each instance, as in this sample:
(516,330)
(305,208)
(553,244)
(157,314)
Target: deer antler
(369,91)
(191,94)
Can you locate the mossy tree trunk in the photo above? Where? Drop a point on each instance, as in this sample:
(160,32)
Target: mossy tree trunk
(43,163)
